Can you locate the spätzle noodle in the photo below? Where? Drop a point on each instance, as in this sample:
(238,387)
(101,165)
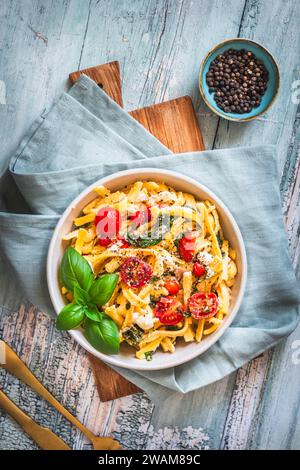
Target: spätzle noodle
(158,312)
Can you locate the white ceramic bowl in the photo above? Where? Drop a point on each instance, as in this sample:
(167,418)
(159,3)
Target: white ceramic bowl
(184,351)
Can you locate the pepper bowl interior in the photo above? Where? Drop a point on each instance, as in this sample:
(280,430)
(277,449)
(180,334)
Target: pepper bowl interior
(261,53)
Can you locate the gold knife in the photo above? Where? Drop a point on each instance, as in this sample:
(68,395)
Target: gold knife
(13,364)
(45,438)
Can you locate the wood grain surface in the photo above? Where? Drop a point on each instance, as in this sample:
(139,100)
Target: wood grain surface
(159,45)
(107,76)
(174,124)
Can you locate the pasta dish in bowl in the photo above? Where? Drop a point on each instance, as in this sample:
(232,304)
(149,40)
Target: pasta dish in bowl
(152,269)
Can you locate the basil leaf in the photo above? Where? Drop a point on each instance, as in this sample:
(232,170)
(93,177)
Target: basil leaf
(103,336)
(93,314)
(75,270)
(71,316)
(81,297)
(102,288)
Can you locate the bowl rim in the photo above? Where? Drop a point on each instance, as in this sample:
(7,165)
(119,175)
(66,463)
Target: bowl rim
(245,41)
(212,339)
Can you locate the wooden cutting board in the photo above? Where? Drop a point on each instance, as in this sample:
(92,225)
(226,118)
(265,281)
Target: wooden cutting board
(174,124)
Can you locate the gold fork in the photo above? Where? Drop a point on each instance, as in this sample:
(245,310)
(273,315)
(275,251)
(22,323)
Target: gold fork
(15,366)
(45,438)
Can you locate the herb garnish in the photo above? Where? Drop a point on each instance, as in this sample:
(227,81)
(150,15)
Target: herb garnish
(153,301)
(89,293)
(142,242)
(149,355)
(176,243)
(220,241)
(206,309)
(133,335)
(153,236)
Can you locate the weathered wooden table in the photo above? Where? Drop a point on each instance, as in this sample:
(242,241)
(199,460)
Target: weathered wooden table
(159,44)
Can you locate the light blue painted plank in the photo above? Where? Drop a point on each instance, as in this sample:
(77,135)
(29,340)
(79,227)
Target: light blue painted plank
(40,43)
(276,424)
(160,45)
(278,417)
(276,25)
(272,420)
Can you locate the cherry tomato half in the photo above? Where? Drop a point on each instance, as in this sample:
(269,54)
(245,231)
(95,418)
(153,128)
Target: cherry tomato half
(135,272)
(141,217)
(172,287)
(203,305)
(123,243)
(108,223)
(104,241)
(169,311)
(199,269)
(187,246)
(121,240)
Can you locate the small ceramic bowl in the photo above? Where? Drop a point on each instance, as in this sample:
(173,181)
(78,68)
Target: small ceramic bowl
(184,351)
(261,53)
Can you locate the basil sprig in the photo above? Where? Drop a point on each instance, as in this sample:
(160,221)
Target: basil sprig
(88,293)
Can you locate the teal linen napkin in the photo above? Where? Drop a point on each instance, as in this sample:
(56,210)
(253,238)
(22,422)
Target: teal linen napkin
(86,136)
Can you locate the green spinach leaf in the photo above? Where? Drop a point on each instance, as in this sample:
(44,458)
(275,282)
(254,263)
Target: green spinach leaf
(153,236)
(133,335)
(173,327)
(220,241)
(142,242)
(149,355)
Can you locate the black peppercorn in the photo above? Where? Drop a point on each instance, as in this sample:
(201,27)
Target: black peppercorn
(238,80)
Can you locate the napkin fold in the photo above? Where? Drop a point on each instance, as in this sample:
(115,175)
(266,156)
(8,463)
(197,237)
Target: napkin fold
(86,136)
